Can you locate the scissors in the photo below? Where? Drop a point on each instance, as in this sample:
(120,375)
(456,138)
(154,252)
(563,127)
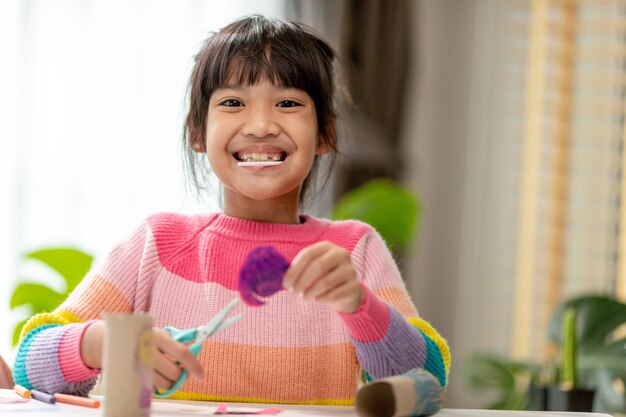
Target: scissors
(197,336)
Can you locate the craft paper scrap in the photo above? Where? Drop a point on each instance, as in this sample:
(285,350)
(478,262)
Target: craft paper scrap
(223,409)
(16,399)
(8,396)
(11,401)
(171,408)
(177,408)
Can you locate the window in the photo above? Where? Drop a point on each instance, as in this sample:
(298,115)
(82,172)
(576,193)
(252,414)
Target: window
(91,111)
(570,234)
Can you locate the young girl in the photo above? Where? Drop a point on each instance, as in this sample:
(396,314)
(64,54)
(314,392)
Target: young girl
(261,113)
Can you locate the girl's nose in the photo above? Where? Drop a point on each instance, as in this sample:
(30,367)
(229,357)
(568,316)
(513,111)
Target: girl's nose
(260,123)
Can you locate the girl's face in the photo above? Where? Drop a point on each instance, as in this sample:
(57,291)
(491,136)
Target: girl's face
(259,123)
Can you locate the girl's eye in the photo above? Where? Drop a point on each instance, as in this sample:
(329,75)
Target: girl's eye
(231,102)
(288,103)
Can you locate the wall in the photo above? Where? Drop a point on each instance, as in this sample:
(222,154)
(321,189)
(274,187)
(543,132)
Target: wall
(446,141)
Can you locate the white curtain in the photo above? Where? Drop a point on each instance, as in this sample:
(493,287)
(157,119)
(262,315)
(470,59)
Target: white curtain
(91,113)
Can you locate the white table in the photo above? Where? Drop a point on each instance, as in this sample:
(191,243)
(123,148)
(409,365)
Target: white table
(167,408)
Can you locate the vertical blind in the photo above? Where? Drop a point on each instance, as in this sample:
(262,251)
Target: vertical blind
(564,106)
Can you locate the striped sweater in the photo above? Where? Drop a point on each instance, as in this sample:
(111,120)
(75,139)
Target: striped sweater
(184,269)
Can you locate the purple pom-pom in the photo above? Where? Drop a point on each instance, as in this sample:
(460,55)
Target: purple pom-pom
(261,274)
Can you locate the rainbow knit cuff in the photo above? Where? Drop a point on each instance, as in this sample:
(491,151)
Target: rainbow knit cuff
(387,344)
(70,358)
(38,366)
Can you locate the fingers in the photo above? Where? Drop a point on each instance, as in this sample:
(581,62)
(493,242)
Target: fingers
(346,298)
(328,283)
(324,272)
(312,263)
(300,262)
(161,383)
(170,358)
(166,367)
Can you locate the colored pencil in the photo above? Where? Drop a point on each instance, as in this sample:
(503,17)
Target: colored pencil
(76,400)
(42,396)
(22,391)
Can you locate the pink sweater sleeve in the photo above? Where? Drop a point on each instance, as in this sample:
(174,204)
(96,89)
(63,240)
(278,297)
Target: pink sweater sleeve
(49,355)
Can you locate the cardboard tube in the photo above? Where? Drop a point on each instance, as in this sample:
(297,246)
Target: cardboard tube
(415,393)
(127,365)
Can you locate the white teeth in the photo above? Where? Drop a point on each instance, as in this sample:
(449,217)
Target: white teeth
(258,163)
(259,159)
(260,156)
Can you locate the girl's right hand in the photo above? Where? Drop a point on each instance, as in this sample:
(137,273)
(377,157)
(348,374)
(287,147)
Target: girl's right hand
(169,357)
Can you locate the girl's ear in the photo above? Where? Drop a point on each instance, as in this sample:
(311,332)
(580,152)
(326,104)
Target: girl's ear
(198,145)
(328,143)
(323,148)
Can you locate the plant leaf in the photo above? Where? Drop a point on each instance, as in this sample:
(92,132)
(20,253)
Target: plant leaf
(509,379)
(391,209)
(607,397)
(596,317)
(612,359)
(38,297)
(72,264)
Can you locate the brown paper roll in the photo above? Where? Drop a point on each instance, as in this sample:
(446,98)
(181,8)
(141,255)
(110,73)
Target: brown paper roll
(127,365)
(412,394)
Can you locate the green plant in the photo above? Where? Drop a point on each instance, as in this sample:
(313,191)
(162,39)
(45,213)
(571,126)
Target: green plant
(569,348)
(600,345)
(507,380)
(391,209)
(598,359)
(70,264)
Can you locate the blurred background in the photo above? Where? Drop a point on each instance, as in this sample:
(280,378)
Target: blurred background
(503,118)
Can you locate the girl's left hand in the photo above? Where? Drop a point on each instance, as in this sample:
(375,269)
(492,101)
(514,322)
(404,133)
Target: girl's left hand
(324,272)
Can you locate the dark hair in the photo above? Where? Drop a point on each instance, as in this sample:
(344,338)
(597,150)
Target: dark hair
(251,49)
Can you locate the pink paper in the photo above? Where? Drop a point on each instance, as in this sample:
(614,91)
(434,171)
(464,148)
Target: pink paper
(223,409)
(4,400)
(274,410)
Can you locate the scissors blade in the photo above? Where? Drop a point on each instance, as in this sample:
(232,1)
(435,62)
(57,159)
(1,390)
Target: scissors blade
(218,321)
(226,323)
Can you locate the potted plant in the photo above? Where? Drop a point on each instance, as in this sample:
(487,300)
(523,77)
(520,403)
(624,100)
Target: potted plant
(537,395)
(600,346)
(568,395)
(599,351)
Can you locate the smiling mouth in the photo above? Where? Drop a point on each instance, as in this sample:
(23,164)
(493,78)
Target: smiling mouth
(259,159)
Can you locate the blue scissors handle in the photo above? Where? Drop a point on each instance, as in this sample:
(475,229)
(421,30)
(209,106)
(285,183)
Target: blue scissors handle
(195,349)
(197,336)
(185,335)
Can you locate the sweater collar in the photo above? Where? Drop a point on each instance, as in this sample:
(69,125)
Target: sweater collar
(309,230)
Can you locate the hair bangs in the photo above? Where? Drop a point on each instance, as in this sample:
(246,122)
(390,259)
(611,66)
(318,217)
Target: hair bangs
(249,68)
